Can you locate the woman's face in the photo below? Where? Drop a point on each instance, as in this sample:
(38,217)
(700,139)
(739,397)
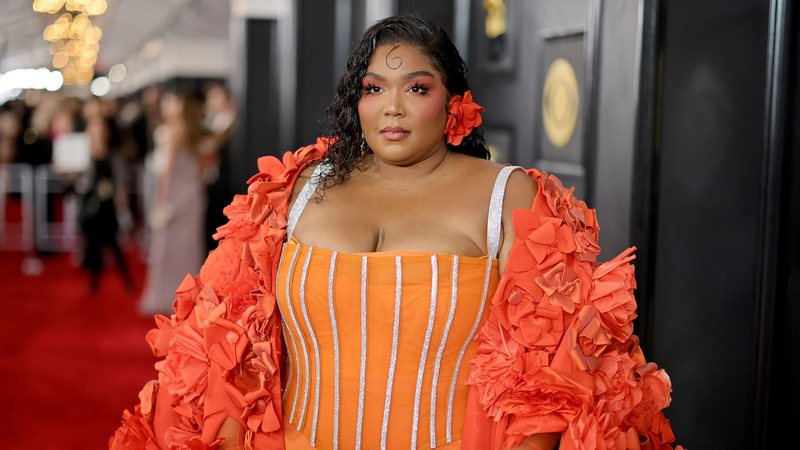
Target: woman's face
(402,109)
(171,106)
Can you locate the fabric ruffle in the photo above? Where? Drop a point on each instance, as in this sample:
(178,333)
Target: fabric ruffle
(221,348)
(558,354)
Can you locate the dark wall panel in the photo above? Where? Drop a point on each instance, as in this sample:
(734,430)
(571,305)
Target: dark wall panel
(711,155)
(316,80)
(783,409)
(254,78)
(441,12)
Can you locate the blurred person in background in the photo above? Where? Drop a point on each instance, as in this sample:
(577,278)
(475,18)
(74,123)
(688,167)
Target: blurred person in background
(175,217)
(104,201)
(220,116)
(93,108)
(37,145)
(10,136)
(67,118)
(144,128)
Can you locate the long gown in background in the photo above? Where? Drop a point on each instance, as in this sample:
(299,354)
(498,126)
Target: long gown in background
(176,232)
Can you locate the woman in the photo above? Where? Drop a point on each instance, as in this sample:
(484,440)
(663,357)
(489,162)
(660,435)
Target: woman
(178,205)
(104,200)
(373,263)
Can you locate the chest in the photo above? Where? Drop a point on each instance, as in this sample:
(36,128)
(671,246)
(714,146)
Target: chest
(369,220)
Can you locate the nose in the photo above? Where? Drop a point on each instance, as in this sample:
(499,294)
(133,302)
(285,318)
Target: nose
(394,105)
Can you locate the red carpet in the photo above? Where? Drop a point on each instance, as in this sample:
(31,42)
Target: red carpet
(71,361)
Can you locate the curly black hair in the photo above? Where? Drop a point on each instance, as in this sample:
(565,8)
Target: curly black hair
(343,121)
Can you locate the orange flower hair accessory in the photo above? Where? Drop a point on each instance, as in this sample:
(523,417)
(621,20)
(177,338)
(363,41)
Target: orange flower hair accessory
(463,115)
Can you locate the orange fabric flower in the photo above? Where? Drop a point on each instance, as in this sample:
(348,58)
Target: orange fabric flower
(136,432)
(612,294)
(585,340)
(616,386)
(239,224)
(229,277)
(562,286)
(561,203)
(584,433)
(655,387)
(546,402)
(184,372)
(660,436)
(463,115)
(497,368)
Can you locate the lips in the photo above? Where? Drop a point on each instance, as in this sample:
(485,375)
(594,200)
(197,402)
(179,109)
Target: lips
(394,133)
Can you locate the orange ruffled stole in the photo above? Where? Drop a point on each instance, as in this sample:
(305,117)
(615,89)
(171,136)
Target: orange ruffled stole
(557,353)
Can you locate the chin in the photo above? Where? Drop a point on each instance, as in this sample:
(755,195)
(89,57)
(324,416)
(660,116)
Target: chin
(393,153)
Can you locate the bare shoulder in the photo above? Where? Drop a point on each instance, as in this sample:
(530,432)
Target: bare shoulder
(520,188)
(478,168)
(520,191)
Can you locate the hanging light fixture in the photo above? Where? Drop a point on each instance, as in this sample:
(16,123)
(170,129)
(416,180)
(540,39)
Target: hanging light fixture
(74,39)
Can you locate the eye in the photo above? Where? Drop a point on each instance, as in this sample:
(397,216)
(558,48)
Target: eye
(418,89)
(372,89)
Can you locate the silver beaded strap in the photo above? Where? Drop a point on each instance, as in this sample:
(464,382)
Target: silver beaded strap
(496,211)
(304,197)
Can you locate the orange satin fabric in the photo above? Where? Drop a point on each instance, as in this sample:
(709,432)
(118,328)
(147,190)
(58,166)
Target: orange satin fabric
(417,285)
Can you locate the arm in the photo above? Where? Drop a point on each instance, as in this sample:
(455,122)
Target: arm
(520,192)
(557,355)
(231,430)
(220,352)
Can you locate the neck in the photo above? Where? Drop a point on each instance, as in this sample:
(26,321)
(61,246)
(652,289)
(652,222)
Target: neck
(409,171)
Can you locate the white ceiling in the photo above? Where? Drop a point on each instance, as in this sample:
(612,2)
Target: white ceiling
(128,25)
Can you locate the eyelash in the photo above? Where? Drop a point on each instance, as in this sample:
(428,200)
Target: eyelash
(422,90)
(368,89)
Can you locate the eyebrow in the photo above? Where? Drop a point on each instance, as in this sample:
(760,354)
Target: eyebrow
(419,73)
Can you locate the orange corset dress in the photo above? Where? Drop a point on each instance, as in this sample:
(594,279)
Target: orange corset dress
(379,343)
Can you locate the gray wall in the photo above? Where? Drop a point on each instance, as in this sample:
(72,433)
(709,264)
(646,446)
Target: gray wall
(616,121)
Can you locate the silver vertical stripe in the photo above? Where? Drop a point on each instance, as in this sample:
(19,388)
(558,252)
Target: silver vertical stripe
(316,355)
(291,332)
(477,322)
(335,336)
(437,365)
(302,345)
(283,323)
(398,284)
(362,374)
(286,331)
(425,345)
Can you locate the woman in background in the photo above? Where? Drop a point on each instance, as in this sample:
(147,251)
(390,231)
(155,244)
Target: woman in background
(104,200)
(178,205)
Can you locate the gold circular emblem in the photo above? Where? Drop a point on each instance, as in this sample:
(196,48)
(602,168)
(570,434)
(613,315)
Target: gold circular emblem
(560,102)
